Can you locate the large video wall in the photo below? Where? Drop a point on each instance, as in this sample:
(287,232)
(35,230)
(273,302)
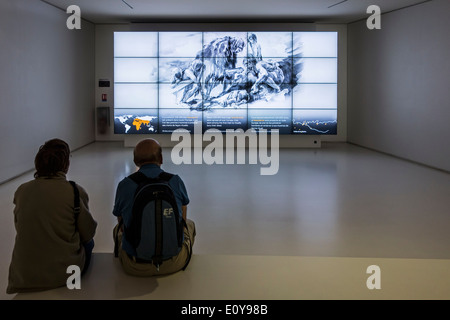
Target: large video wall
(225,80)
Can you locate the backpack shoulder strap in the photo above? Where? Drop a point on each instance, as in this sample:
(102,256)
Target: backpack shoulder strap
(138,177)
(165,176)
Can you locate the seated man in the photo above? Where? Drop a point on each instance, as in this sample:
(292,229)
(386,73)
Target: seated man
(148,158)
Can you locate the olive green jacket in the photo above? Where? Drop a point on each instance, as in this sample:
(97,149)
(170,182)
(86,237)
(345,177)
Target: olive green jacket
(48,237)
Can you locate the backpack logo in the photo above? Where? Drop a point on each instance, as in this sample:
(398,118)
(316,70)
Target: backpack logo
(168,212)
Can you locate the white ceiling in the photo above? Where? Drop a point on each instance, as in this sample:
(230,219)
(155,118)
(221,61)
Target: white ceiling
(324,11)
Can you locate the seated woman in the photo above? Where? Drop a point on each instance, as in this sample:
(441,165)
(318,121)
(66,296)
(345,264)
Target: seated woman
(50,234)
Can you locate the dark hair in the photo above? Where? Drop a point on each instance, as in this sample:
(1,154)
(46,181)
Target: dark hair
(51,158)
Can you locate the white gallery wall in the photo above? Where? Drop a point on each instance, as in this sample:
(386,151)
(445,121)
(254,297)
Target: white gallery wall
(46,82)
(398,84)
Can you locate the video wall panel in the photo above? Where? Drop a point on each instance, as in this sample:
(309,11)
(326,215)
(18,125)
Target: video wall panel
(225,80)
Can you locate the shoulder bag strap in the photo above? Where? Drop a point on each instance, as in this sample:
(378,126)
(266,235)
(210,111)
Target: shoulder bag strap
(76,202)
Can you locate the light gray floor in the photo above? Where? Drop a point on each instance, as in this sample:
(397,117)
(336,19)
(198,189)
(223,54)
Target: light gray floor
(340,205)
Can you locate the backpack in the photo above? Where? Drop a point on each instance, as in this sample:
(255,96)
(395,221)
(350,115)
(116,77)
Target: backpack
(155,230)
